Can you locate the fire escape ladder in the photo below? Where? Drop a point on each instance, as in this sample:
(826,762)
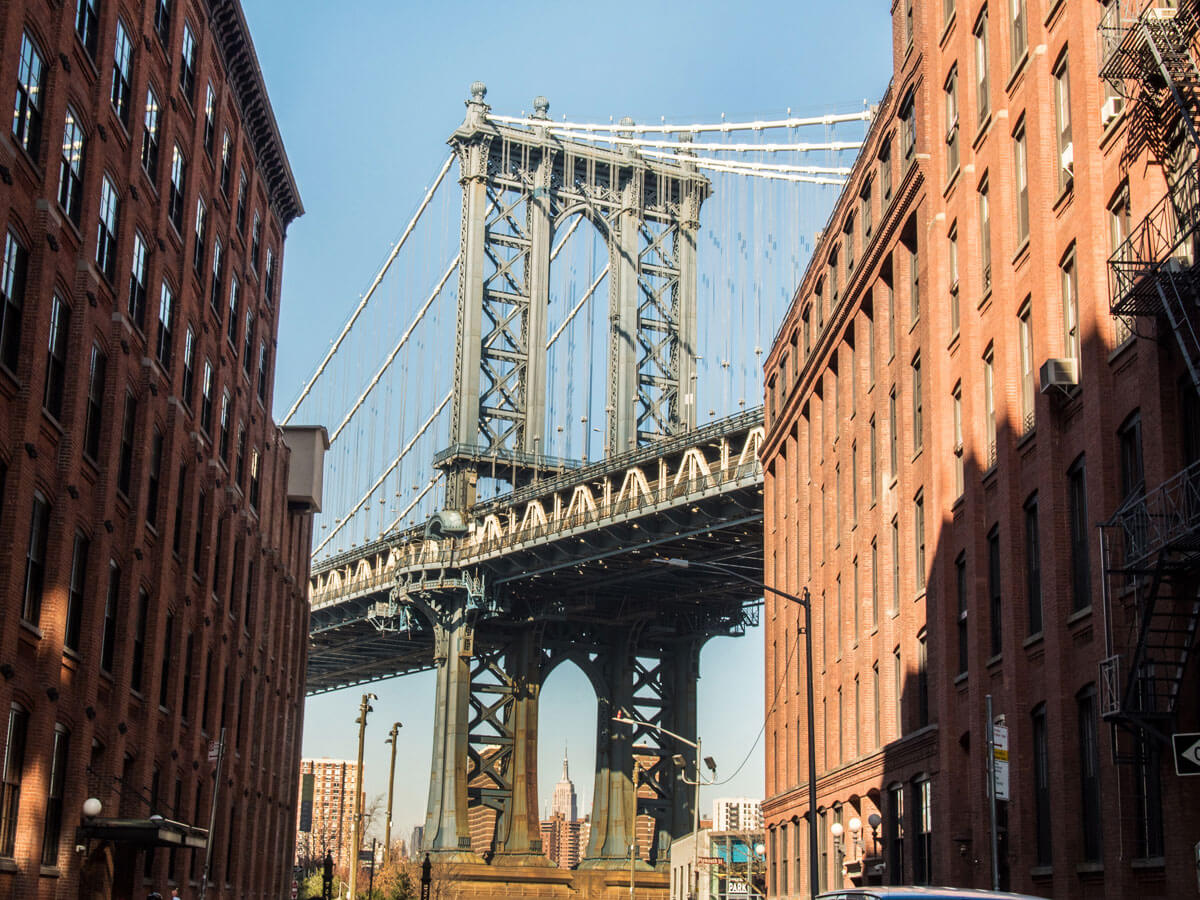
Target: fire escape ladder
(1166,635)
(1166,38)
(1173,281)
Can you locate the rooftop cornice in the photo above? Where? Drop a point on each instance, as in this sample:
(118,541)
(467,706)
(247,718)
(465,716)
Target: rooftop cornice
(228,23)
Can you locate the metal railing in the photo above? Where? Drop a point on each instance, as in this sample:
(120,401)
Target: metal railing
(1163,242)
(1161,519)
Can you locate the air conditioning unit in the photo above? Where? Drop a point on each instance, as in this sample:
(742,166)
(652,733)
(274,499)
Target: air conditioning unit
(1068,159)
(1059,373)
(1162,13)
(1111,109)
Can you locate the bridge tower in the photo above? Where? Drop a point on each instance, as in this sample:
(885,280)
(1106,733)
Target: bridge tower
(520,186)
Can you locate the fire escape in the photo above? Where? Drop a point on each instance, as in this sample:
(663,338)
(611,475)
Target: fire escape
(1152,542)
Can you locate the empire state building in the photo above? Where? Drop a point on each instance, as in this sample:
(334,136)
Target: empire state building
(565,803)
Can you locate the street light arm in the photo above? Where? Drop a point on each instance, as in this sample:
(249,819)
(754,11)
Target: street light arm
(733,573)
(658,728)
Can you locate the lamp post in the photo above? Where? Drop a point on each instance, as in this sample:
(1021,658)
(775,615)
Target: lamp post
(678,760)
(387,834)
(805,602)
(363,708)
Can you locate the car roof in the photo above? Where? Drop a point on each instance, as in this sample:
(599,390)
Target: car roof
(914,892)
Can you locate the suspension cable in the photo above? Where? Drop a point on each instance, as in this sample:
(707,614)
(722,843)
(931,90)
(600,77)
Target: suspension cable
(396,350)
(578,306)
(758,170)
(370,291)
(388,471)
(758,125)
(800,147)
(415,500)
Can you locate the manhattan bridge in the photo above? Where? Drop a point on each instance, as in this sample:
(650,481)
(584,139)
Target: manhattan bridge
(509,452)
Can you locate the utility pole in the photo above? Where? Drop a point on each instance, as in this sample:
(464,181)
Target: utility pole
(356,838)
(387,833)
(212,815)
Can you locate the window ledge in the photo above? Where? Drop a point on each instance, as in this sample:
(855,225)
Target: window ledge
(1148,864)
(981,133)
(1040,872)
(8,864)
(951,181)
(1022,254)
(1120,349)
(949,27)
(1027,437)
(26,625)
(1079,615)
(50,872)
(1017,72)
(1064,196)
(995,661)
(1033,639)
(961,678)
(1090,868)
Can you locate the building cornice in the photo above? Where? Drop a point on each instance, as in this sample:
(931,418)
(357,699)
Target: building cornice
(228,23)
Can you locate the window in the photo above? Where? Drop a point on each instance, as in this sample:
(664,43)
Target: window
(874,459)
(226,162)
(150,136)
(248,343)
(56,359)
(122,87)
(254,460)
(864,215)
(95,401)
(187,67)
(87,23)
(1081,586)
(914,282)
(982,99)
(52,827)
(885,170)
(264,364)
(958,441)
(27,108)
(35,559)
(75,591)
(989,405)
(919,541)
(198,545)
(1119,222)
(206,398)
(125,460)
(893,829)
(189,365)
(255,242)
(952,265)
(217,291)
(874,584)
(1033,565)
(166,324)
(908,23)
(224,445)
(947,11)
(853,485)
(1025,330)
(838,627)
(138,656)
(923,850)
(1041,784)
(918,419)
(270,276)
(164,675)
(1133,477)
(210,123)
(11,776)
(1021,173)
(155,479)
(894,434)
(908,124)
(70,169)
(201,231)
(951,91)
(895,566)
(106,233)
(1070,308)
(239,469)
(994,598)
(108,633)
(162,21)
(877,705)
(180,490)
(12,299)
(985,236)
(231,325)
(178,177)
(1147,788)
(1062,121)
(1018,41)
(1089,770)
(964,634)
(241,204)
(185,703)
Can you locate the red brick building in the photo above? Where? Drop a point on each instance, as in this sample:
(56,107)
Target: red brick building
(331,830)
(952,408)
(154,522)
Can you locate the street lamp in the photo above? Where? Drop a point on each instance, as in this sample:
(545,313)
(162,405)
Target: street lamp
(387,836)
(805,602)
(680,764)
(363,708)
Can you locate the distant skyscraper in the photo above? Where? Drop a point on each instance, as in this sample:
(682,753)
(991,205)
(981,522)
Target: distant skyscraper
(331,831)
(565,802)
(737,814)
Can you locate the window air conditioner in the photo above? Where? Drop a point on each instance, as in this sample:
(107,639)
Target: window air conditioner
(1068,159)
(1059,373)
(1111,109)
(1162,13)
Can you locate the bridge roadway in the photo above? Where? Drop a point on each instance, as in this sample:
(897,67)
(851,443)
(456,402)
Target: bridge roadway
(570,547)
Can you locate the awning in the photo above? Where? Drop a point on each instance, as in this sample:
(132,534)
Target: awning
(152,832)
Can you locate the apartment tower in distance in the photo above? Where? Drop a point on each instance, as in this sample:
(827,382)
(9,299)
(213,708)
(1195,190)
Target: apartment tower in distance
(155,524)
(330,827)
(991,354)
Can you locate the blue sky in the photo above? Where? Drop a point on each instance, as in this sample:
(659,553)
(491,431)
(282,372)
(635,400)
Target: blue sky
(366,94)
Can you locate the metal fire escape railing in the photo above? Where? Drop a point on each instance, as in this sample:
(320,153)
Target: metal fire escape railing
(1152,543)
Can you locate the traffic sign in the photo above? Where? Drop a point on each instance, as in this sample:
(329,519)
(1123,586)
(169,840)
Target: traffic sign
(1000,760)
(295,889)
(1187,753)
